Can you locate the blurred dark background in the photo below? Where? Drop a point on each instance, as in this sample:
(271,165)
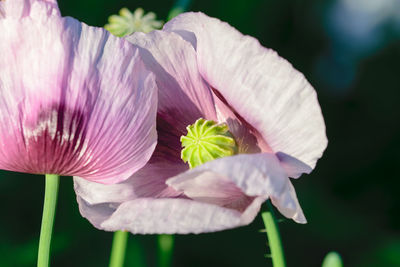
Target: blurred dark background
(350,51)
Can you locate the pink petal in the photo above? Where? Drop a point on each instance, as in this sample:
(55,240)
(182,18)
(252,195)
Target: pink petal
(97,213)
(28,8)
(183,95)
(147,182)
(227,180)
(74,100)
(255,174)
(248,139)
(287,203)
(98,202)
(212,188)
(96,193)
(224,193)
(294,167)
(255,80)
(167,215)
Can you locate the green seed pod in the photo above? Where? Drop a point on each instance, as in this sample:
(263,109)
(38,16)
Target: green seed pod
(207,140)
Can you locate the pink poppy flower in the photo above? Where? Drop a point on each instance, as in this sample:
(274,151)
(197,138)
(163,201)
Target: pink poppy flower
(207,69)
(74,100)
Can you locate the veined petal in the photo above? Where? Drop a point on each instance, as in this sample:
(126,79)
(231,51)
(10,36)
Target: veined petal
(254,174)
(217,195)
(254,80)
(74,100)
(98,202)
(167,215)
(232,181)
(96,193)
(25,8)
(183,95)
(147,182)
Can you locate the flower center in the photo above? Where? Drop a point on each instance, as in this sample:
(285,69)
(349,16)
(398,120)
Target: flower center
(207,140)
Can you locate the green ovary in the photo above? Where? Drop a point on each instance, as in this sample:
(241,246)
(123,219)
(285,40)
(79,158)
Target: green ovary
(207,140)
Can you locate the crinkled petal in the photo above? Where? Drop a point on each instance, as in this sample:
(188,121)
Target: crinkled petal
(223,193)
(98,202)
(213,188)
(167,215)
(183,95)
(255,175)
(147,182)
(25,8)
(254,80)
(74,100)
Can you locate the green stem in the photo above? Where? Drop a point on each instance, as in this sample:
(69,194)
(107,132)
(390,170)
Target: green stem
(165,249)
(49,210)
(118,249)
(274,239)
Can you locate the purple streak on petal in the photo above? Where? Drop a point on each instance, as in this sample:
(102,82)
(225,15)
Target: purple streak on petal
(149,181)
(169,134)
(255,80)
(74,99)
